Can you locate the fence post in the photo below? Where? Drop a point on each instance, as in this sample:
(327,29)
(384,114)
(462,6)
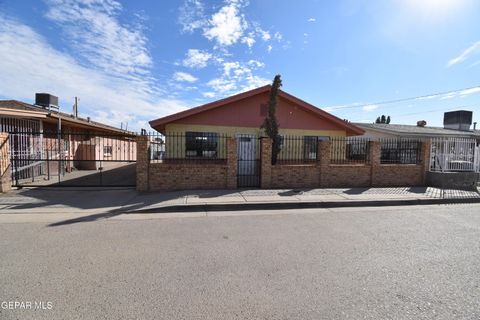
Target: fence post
(425,159)
(232,163)
(265,162)
(323,152)
(143,161)
(5,165)
(375,150)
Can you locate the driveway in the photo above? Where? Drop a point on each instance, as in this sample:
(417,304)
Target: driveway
(416,262)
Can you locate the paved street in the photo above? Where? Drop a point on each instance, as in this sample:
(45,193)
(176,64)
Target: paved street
(416,262)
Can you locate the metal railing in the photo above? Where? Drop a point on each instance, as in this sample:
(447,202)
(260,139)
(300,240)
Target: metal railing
(349,150)
(187,147)
(455,155)
(298,150)
(400,151)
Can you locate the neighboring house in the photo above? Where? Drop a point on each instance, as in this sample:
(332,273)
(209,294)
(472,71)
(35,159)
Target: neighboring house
(455,126)
(241,116)
(454,146)
(42,139)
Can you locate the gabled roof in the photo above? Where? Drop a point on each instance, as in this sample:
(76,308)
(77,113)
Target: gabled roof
(161,122)
(404,129)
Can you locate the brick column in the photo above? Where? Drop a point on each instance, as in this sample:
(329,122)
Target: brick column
(425,157)
(232,163)
(5,166)
(265,163)
(323,162)
(375,150)
(143,160)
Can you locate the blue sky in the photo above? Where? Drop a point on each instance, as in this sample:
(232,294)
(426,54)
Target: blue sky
(134,61)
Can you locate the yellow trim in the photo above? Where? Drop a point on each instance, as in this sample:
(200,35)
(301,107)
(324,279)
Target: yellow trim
(182,128)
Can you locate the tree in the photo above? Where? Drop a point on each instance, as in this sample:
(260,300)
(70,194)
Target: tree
(270,124)
(383,119)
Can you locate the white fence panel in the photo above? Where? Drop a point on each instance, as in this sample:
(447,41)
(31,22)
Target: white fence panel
(454,154)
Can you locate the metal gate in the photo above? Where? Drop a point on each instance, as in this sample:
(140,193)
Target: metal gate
(72,159)
(248,166)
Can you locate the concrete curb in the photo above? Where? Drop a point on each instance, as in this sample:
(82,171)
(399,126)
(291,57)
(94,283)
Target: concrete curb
(300,205)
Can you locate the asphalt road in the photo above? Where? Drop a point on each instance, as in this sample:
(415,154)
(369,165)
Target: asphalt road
(362,263)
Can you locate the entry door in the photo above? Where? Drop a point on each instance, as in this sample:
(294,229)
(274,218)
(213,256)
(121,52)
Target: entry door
(248,165)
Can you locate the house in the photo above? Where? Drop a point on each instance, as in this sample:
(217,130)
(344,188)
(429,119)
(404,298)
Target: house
(241,116)
(456,125)
(454,146)
(201,133)
(46,142)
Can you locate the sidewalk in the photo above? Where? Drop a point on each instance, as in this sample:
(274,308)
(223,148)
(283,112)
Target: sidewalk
(119,201)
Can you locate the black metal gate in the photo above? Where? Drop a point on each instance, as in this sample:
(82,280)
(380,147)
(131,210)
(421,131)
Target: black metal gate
(72,159)
(248,166)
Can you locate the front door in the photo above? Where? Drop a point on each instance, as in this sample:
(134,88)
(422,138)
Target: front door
(248,174)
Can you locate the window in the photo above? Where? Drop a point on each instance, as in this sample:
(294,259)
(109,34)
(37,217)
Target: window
(107,151)
(201,144)
(310,145)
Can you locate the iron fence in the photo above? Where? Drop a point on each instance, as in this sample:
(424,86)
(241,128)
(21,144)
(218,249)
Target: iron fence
(187,147)
(351,150)
(41,158)
(400,151)
(298,149)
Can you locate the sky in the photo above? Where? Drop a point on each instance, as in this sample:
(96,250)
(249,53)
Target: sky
(135,61)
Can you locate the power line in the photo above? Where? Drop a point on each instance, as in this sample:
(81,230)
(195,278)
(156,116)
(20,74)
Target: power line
(426,96)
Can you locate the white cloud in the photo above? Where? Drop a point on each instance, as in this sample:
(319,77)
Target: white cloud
(209,94)
(192,16)
(470,91)
(196,58)
(249,41)
(229,66)
(222,85)
(226,26)
(465,54)
(96,35)
(370,107)
(183,76)
(312,20)
(256,64)
(264,34)
(236,77)
(31,65)
(269,48)
(278,36)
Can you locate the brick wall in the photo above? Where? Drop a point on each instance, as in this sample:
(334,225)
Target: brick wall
(348,176)
(294,176)
(186,174)
(326,175)
(178,175)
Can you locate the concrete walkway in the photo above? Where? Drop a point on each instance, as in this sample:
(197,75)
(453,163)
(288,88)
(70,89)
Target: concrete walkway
(93,201)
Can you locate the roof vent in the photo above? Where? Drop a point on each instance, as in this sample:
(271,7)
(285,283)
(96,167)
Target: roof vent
(46,101)
(458,120)
(421,123)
